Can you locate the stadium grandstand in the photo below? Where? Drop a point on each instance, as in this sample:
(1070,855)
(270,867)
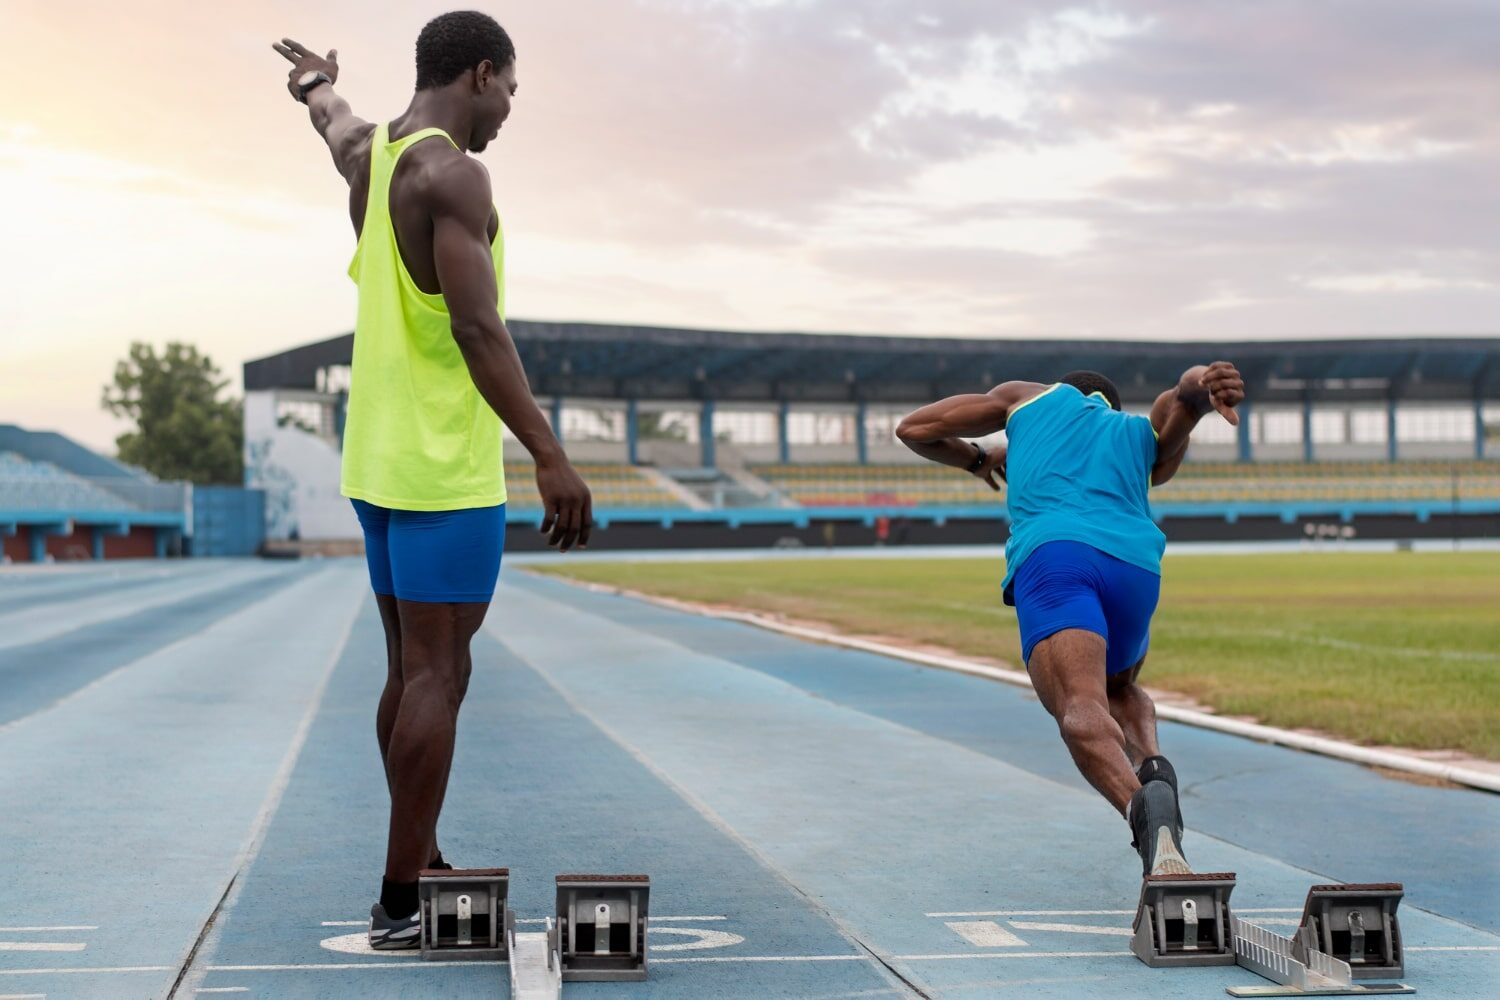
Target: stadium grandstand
(695,437)
(59,501)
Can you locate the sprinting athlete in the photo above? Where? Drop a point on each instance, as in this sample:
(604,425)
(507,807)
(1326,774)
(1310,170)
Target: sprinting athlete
(1083,562)
(434,374)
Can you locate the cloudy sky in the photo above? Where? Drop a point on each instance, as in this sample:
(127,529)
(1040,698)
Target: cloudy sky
(1139,168)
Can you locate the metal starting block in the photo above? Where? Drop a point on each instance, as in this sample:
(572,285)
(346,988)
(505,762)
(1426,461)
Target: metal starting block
(1297,969)
(1356,924)
(1184,920)
(464,912)
(601,927)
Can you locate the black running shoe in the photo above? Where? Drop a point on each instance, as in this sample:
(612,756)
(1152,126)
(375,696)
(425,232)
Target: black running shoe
(1158,768)
(1154,821)
(389,934)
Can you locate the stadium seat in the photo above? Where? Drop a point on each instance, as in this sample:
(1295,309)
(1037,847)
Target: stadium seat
(40,487)
(852,485)
(614,486)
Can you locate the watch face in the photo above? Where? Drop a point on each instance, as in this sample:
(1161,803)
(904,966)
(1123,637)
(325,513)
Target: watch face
(307,78)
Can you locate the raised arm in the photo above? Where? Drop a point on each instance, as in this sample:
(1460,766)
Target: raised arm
(936,431)
(459,193)
(330,113)
(1177,411)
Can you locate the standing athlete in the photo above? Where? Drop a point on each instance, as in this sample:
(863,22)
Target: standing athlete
(435,373)
(1083,562)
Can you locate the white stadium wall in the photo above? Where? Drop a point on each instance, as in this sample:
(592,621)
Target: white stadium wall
(299,472)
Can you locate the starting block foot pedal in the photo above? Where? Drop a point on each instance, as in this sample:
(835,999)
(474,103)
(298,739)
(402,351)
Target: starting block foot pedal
(464,912)
(1297,970)
(601,927)
(1184,920)
(1355,924)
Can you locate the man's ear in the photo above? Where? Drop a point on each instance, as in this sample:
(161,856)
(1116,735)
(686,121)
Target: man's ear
(484,75)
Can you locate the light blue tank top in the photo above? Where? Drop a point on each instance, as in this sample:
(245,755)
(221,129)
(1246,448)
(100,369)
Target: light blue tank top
(1078,471)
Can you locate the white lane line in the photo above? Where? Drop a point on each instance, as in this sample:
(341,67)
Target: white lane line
(23,996)
(84,969)
(1454,947)
(219,989)
(701,939)
(703,809)
(985,934)
(271,803)
(42,945)
(366,923)
(1324,745)
(1030,925)
(761,958)
(1010,954)
(18,930)
(1089,913)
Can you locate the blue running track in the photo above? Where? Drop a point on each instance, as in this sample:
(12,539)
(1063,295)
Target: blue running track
(191,804)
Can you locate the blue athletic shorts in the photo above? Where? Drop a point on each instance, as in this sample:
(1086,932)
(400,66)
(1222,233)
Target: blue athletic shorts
(1066,585)
(437,556)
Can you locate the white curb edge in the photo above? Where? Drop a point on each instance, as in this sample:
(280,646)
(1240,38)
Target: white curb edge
(1251,730)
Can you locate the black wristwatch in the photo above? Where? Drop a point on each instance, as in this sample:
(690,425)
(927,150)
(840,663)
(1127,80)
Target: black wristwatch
(979,456)
(307,81)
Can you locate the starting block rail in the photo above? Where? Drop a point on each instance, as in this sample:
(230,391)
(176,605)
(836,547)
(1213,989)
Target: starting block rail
(1297,969)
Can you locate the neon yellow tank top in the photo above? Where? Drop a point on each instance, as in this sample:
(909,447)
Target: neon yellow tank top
(418,435)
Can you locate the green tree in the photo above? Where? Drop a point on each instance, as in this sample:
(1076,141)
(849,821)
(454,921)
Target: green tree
(183,430)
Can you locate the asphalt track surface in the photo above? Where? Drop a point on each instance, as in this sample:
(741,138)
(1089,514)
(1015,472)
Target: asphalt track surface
(191,801)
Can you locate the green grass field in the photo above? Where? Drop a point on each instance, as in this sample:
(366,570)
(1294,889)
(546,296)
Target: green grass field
(1382,648)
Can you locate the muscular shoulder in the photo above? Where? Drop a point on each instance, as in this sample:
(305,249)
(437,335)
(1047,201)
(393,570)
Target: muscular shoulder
(1014,395)
(351,149)
(455,185)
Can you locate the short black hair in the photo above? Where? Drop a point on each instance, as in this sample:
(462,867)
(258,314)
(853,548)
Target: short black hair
(1088,382)
(452,44)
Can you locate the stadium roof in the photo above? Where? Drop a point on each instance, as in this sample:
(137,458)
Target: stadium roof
(596,361)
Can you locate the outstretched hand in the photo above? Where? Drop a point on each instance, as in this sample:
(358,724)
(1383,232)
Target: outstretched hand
(1226,389)
(305,61)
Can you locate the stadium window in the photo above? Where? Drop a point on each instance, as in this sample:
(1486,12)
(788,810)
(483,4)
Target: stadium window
(1328,426)
(881,422)
(1280,427)
(592,423)
(819,427)
(306,415)
(669,425)
(1367,426)
(745,426)
(1434,424)
(334,378)
(1214,431)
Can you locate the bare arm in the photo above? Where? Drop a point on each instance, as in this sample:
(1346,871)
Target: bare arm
(330,113)
(459,194)
(1177,411)
(936,431)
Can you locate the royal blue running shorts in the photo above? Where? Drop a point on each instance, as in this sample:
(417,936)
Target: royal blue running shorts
(437,556)
(1064,585)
